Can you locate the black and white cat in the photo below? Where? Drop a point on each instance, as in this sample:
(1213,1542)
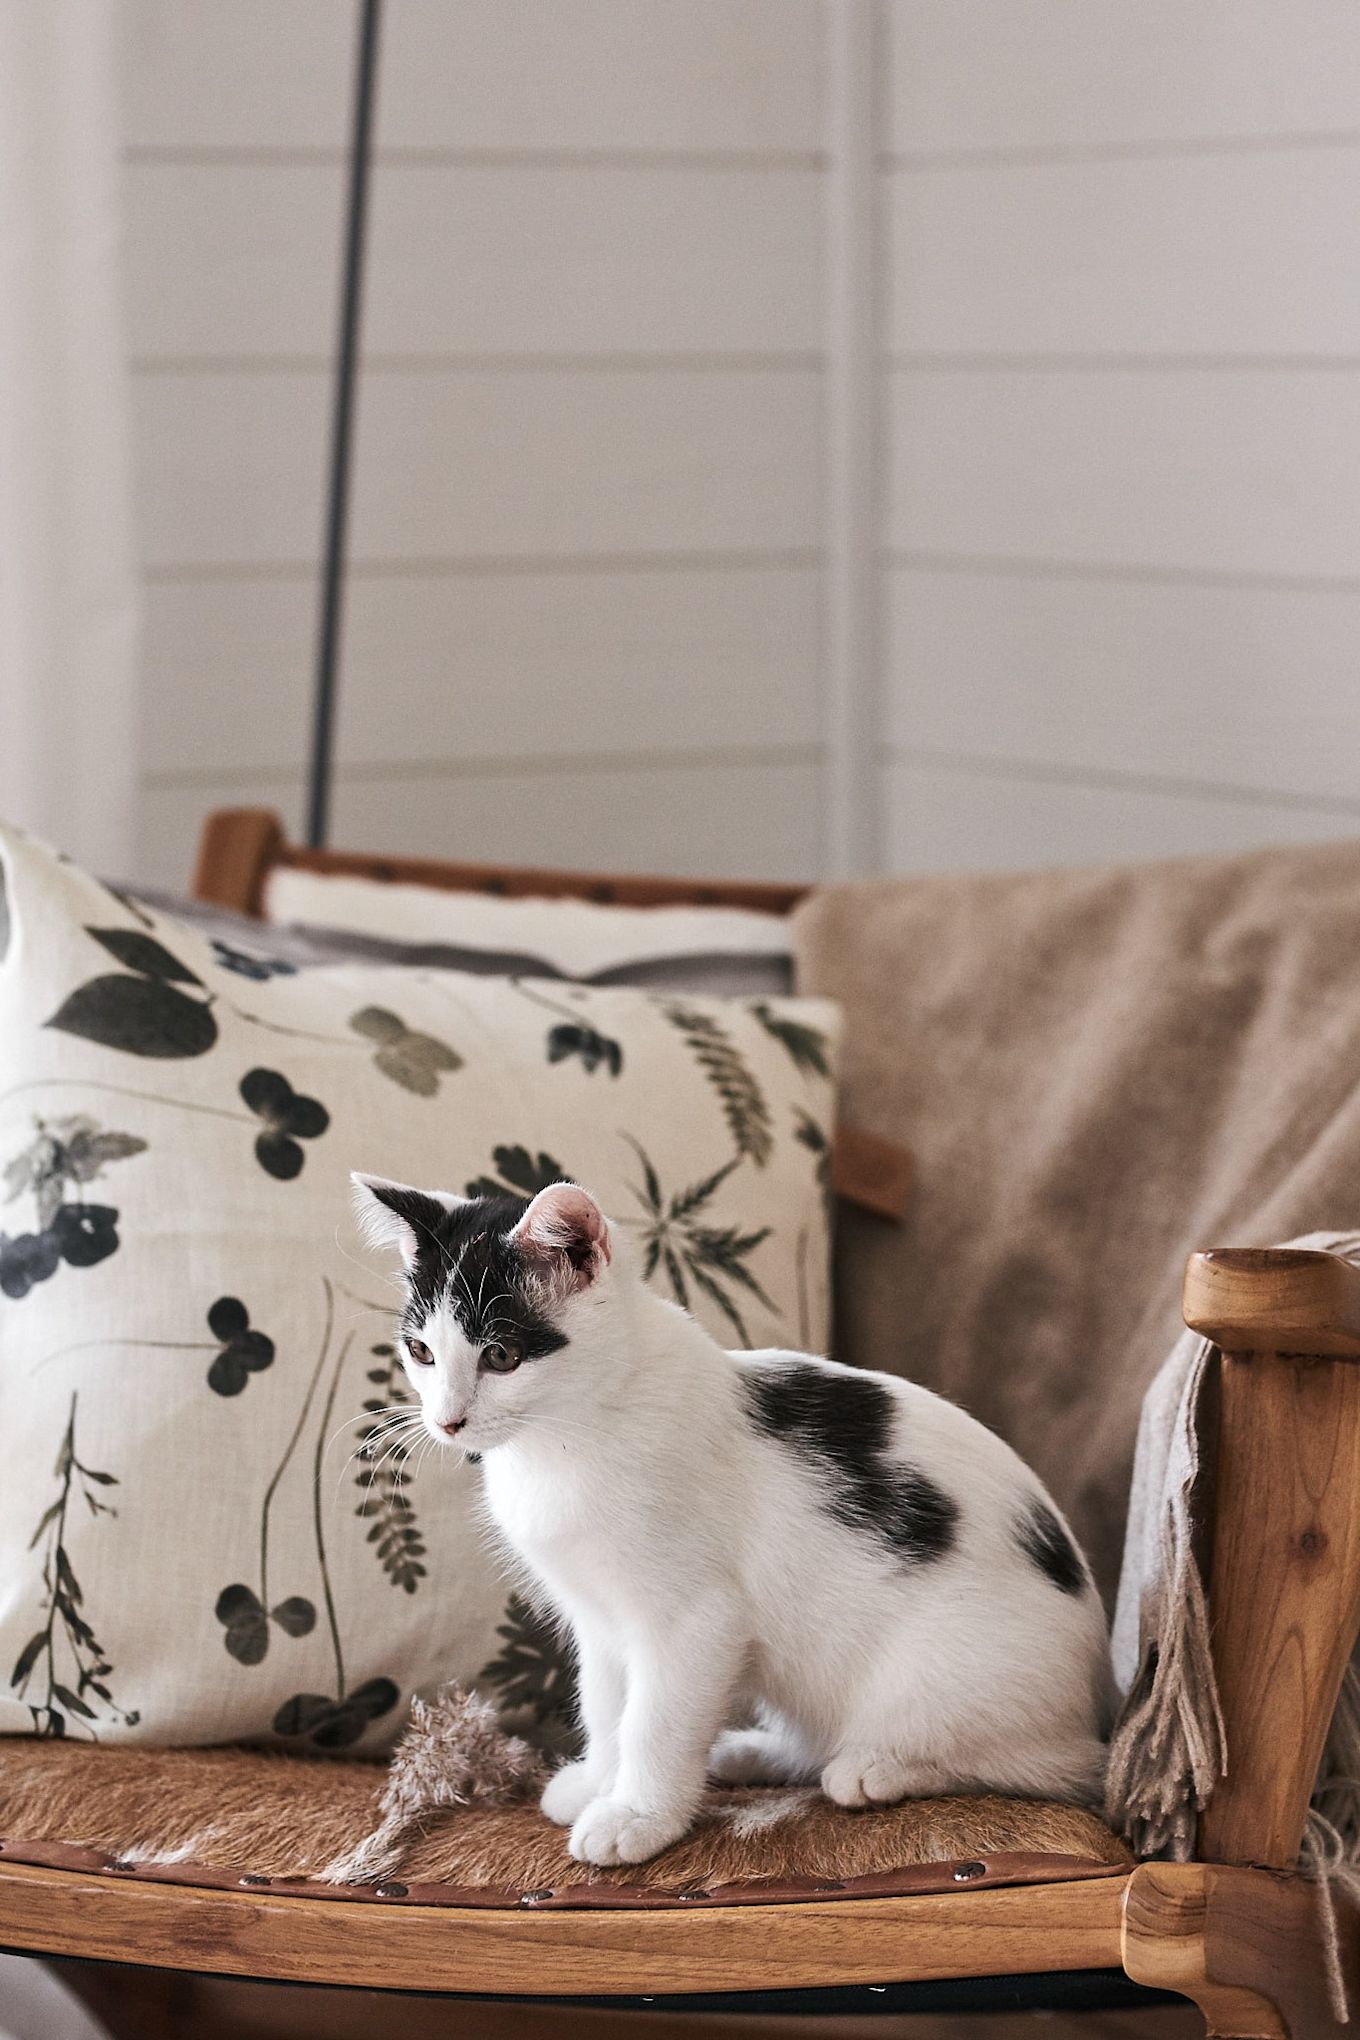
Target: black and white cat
(868,1572)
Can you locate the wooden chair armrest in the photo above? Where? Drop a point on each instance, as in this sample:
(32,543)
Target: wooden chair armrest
(1274,1300)
(1284,1584)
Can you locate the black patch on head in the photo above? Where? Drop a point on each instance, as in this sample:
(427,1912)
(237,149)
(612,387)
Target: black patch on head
(841,1424)
(463,1260)
(1046,1544)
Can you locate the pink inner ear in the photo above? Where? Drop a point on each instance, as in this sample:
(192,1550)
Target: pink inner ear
(566,1221)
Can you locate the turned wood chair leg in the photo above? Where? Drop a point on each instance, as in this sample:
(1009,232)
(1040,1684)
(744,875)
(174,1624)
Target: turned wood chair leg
(1284,1592)
(1246,1947)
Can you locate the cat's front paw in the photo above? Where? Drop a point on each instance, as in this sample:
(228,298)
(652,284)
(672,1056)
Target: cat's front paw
(569,1792)
(612,1831)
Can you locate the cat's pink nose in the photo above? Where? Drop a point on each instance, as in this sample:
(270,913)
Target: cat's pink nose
(452,1430)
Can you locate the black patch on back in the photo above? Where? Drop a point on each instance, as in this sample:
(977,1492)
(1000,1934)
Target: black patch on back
(841,1424)
(1046,1544)
(465,1262)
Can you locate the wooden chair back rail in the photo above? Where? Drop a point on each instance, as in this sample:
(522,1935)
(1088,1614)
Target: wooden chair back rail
(1285,1572)
(241,846)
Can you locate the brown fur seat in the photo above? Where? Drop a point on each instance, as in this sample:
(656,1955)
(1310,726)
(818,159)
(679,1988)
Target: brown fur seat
(224,1814)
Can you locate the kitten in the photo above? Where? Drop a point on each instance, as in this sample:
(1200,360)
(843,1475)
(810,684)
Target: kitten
(869,1573)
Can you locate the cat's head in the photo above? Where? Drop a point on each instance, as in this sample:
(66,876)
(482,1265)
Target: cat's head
(496,1291)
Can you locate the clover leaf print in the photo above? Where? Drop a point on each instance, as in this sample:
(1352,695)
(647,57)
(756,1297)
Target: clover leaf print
(245,1615)
(335,1724)
(144,1013)
(242,1350)
(25,1260)
(415,1061)
(288,1118)
(521,1174)
(246,1620)
(329,1721)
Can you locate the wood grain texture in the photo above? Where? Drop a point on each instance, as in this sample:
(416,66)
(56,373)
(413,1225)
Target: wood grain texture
(1284,1591)
(1246,1947)
(237,850)
(1274,1300)
(1019,1931)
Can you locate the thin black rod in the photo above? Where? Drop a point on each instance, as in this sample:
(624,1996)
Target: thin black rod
(342,429)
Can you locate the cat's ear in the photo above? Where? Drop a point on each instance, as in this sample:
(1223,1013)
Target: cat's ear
(395,1215)
(564,1236)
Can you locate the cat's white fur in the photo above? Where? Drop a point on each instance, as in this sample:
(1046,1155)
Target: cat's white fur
(703,1580)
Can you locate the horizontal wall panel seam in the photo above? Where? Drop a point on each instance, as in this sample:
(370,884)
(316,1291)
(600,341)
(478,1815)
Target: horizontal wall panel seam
(694,360)
(530,765)
(1114,570)
(1107,779)
(411,158)
(1019,156)
(470,564)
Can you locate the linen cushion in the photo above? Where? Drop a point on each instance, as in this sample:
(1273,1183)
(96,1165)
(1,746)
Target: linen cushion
(715,949)
(193,1348)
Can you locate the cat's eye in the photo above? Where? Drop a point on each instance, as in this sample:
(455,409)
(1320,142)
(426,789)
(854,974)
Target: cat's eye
(501,1359)
(420,1353)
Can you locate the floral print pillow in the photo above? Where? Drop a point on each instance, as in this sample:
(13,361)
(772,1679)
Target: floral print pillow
(210,1526)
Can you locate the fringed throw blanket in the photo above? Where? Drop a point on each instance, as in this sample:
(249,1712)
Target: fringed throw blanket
(1169,1750)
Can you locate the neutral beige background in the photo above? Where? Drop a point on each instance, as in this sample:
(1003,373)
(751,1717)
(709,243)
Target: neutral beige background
(1110,311)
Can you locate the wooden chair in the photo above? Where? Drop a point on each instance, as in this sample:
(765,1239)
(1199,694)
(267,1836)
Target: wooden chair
(1235,1932)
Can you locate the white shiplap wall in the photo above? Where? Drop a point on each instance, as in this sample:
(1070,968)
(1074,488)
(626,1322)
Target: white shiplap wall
(583,614)
(1121,587)
(972,383)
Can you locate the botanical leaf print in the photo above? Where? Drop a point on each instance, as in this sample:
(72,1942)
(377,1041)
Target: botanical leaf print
(244,1614)
(813,1137)
(243,1351)
(534,1671)
(712,1257)
(521,1174)
(573,1037)
(591,1048)
(63,1661)
(336,1724)
(413,1060)
(80,1234)
(288,1118)
(808,1046)
(26,1260)
(330,1722)
(244,1617)
(743,1101)
(144,1014)
(384,1449)
(73,1149)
